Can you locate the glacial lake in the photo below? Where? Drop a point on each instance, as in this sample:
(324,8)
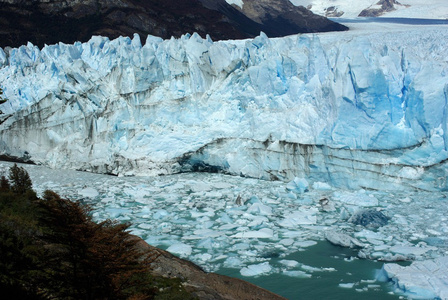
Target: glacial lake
(272,236)
(351,279)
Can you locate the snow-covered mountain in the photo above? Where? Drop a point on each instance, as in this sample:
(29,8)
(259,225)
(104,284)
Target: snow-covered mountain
(426,9)
(355,109)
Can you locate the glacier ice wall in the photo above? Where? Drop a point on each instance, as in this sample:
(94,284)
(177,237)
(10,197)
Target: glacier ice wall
(355,110)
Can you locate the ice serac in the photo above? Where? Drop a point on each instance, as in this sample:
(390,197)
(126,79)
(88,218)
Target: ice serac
(426,279)
(354,110)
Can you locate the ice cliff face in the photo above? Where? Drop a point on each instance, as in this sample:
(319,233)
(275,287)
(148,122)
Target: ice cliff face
(355,110)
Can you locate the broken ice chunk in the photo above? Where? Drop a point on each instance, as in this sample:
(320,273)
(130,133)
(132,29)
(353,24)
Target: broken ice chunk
(342,239)
(323,186)
(232,262)
(256,270)
(359,198)
(304,217)
(260,208)
(370,218)
(88,192)
(298,274)
(426,279)
(411,250)
(298,185)
(265,233)
(304,244)
(289,263)
(180,249)
(346,285)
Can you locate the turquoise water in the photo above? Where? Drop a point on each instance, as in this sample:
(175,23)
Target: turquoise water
(325,284)
(197,213)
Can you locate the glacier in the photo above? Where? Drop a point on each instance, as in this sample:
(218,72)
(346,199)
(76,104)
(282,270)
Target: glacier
(361,109)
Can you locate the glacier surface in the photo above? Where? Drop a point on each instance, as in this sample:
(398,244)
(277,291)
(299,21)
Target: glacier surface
(422,279)
(355,109)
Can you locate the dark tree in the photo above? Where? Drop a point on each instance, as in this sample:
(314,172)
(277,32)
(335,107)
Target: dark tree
(20,180)
(92,260)
(51,248)
(20,249)
(4,184)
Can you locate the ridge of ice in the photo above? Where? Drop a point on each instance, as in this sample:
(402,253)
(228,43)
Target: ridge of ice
(355,109)
(426,279)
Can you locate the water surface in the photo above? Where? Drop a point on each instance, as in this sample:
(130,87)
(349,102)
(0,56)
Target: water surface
(361,273)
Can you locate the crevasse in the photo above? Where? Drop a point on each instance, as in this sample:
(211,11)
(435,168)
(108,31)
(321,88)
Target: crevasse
(355,110)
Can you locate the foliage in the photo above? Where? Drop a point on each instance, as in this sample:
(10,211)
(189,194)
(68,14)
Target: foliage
(20,180)
(4,184)
(99,259)
(19,245)
(51,248)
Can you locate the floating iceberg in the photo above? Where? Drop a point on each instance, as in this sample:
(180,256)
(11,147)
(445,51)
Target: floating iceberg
(89,192)
(217,233)
(256,270)
(342,239)
(426,279)
(370,218)
(298,185)
(180,249)
(264,233)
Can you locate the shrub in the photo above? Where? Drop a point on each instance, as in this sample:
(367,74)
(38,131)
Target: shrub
(92,260)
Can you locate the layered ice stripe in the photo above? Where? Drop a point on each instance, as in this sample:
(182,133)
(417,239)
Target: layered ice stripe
(355,109)
(425,279)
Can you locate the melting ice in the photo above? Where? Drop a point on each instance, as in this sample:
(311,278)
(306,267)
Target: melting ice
(220,221)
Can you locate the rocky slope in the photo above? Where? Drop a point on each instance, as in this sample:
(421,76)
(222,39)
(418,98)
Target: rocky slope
(380,8)
(282,17)
(51,21)
(207,286)
(420,9)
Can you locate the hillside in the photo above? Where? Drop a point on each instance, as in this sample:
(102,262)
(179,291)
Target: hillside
(48,22)
(423,9)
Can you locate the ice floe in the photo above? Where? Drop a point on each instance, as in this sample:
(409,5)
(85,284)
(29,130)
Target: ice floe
(342,239)
(256,270)
(426,279)
(196,216)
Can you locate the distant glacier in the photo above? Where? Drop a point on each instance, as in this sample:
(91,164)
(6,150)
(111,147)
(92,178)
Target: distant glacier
(354,109)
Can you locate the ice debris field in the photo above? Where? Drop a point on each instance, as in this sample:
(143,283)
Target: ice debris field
(220,221)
